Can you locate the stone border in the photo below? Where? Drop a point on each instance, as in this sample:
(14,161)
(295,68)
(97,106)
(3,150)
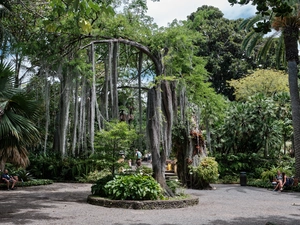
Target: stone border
(148,204)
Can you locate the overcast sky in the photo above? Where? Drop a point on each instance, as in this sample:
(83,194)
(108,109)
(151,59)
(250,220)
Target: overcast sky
(166,11)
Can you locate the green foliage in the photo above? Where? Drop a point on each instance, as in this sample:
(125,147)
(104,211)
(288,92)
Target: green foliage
(29,183)
(254,165)
(174,185)
(99,188)
(144,170)
(37,182)
(220,45)
(228,179)
(109,142)
(232,165)
(263,7)
(25,176)
(267,82)
(255,126)
(207,170)
(93,176)
(55,168)
(18,110)
(133,187)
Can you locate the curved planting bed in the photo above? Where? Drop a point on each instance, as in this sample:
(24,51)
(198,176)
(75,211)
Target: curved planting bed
(147,204)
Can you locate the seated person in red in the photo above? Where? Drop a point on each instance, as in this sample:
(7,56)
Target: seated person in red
(8,179)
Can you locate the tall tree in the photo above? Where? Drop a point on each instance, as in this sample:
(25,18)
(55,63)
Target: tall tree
(220,45)
(284,16)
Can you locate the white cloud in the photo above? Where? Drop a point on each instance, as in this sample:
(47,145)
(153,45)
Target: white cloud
(166,11)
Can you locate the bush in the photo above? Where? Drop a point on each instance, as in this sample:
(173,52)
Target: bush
(98,188)
(93,176)
(145,170)
(207,170)
(133,187)
(174,185)
(23,175)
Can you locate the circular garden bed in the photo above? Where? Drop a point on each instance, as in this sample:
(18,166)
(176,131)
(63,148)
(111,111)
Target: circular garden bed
(147,204)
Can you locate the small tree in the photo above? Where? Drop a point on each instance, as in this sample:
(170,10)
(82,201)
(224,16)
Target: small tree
(110,142)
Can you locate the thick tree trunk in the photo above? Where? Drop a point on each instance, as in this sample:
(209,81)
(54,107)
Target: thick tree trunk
(153,132)
(291,37)
(167,121)
(295,101)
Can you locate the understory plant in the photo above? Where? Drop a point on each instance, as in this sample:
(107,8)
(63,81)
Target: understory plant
(133,187)
(98,188)
(205,173)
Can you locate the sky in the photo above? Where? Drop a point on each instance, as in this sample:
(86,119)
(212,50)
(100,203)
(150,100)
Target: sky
(166,11)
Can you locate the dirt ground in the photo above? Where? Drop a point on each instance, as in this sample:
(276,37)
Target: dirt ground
(65,203)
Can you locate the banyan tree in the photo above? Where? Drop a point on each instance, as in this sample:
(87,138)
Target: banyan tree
(167,105)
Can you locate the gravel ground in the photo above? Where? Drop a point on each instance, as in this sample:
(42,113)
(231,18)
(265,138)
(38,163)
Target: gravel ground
(65,203)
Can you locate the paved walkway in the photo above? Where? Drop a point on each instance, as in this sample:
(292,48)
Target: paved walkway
(65,203)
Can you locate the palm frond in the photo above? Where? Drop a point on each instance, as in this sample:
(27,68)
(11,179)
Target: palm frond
(251,41)
(279,52)
(249,23)
(268,42)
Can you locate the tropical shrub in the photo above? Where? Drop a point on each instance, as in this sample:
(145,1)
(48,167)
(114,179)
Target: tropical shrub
(174,185)
(98,188)
(207,171)
(252,163)
(133,187)
(24,175)
(115,138)
(93,176)
(54,168)
(145,170)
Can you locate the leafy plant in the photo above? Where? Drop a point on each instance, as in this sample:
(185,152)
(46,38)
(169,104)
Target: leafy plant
(207,170)
(133,187)
(98,188)
(24,176)
(93,176)
(174,185)
(108,143)
(144,170)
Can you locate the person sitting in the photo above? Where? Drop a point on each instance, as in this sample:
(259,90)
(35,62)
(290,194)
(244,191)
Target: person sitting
(287,181)
(9,179)
(279,181)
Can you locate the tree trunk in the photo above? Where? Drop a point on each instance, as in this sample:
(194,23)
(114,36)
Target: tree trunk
(140,65)
(291,37)
(2,164)
(295,101)
(153,134)
(47,108)
(64,111)
(75,120)
(105,90)
(114,83)
(93,100)
(167,121)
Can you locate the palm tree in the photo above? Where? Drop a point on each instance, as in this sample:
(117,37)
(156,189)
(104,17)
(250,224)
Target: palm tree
(17,111)
(288,24)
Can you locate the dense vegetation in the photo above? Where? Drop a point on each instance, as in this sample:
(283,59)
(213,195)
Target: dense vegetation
(87,84)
